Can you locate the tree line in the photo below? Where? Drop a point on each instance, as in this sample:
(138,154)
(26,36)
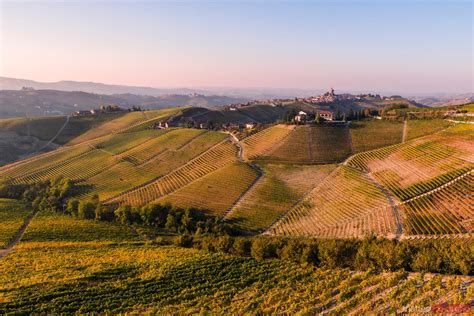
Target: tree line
(453,256)
(58,195)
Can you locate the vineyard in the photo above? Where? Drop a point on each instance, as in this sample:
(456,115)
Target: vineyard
(305,144)
(447,211)
(12,215)
(217,157)
(345,204)
(277,191)
(415,167)
(123,123)
(215,192)
(418,128)
(279,180)
(369,135)
(93,277)
(263,142)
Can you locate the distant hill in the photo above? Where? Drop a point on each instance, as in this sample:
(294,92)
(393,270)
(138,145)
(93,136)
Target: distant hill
(444,100)
(265,113)
(91,87)
(15,103)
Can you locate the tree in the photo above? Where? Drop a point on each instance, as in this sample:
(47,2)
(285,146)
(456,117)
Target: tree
(72,207)
(123,214)
(86,210)
(170,222)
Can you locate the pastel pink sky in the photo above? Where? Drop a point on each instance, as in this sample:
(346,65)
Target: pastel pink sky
(417,46)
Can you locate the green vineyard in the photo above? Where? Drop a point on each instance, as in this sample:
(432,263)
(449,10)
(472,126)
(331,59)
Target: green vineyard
(281,180)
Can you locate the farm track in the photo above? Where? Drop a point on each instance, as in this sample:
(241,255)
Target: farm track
(17,237)
(394,206)
(405,131)
(259,171)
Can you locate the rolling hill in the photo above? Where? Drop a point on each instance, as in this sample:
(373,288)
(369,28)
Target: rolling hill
(326,180)
(339,218)
(17,103)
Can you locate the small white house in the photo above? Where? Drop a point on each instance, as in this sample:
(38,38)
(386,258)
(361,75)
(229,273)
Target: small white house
(249,125)
(301,116)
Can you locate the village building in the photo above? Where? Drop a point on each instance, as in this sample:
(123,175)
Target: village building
(96,111)
(82,113)
(328,116)
(301,117)
(249,125)
(161,125)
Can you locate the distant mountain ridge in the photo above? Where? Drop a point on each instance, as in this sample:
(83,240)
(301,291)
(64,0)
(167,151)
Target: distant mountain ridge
(30,102)
(91,87)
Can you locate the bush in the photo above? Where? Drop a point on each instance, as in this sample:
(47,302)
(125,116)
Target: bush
(183,241)
(264,248)
(241,247)
(86,210)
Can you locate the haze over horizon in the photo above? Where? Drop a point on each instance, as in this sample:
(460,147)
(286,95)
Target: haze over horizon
(410,47)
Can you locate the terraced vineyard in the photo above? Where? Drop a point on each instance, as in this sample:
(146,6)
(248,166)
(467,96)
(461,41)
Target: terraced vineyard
(277,191)
(345,204)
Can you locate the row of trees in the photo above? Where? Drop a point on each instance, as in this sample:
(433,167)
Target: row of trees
(176,220)
(437,256)
(57,195)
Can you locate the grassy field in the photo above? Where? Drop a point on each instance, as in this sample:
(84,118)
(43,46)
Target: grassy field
(372,134)
(276,192)
(12,215)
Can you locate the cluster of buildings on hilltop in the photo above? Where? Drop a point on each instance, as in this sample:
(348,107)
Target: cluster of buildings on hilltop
(303,117)
(102,109)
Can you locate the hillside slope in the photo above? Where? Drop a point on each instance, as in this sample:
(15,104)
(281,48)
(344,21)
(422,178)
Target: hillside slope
(309,180)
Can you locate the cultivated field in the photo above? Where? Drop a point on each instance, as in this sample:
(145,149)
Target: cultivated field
(309,144)
(446,211)
(12,215)
(280,187)
(336,207)
(217,157)
(418,166)
(94,276)
(216,192)
(368,135)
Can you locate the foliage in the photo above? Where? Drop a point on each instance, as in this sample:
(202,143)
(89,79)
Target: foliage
(379,254)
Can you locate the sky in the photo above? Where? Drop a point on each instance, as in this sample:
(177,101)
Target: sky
(406,46)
